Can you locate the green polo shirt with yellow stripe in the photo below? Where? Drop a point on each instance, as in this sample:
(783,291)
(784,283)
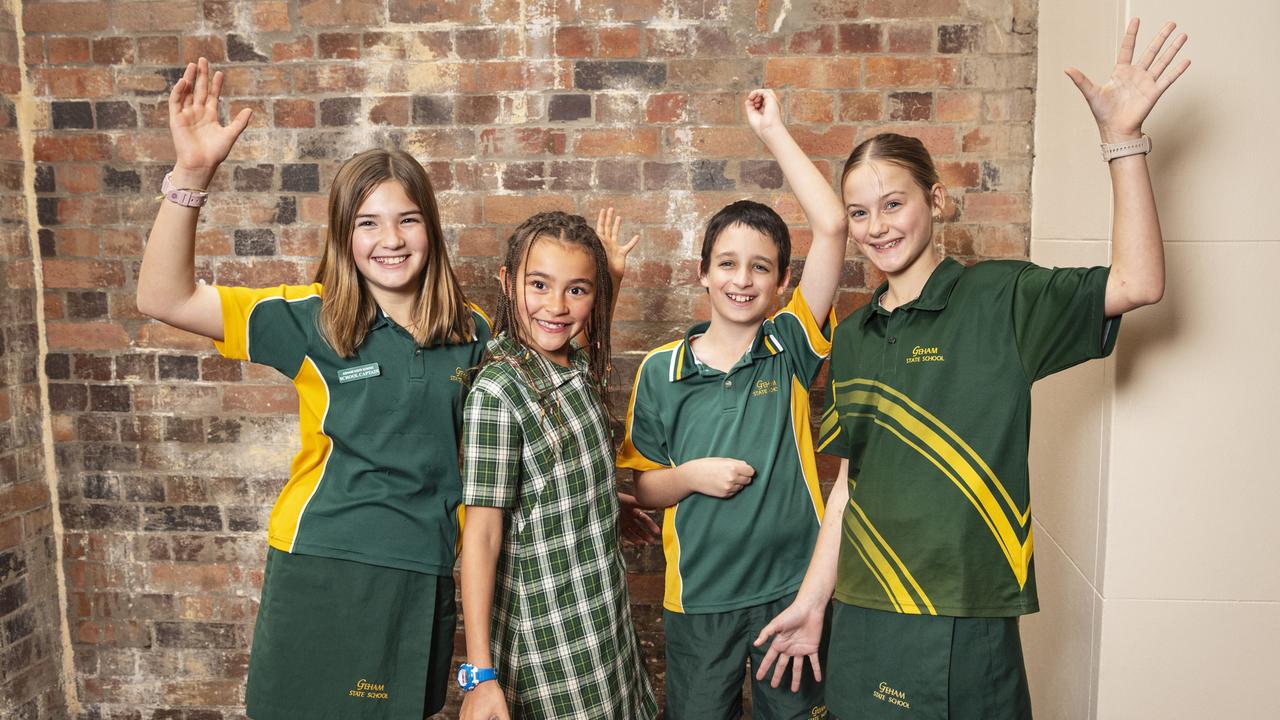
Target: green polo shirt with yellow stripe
(731,553)
(376,479)
(931,404)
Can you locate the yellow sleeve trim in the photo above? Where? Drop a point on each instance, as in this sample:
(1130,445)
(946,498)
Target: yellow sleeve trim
(818,336)
(629,456)
(238,304)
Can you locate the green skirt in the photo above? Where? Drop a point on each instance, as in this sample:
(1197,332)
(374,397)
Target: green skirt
(349,641)
(912,667)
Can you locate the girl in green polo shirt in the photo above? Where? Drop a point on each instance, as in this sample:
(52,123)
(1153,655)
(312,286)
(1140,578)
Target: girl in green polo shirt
(357,613)
(544,591)
(927,547)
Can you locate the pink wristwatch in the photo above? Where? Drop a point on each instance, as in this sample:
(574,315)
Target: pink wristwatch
(182,196)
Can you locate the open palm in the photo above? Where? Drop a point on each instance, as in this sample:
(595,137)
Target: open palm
(1124,101)
(200,141)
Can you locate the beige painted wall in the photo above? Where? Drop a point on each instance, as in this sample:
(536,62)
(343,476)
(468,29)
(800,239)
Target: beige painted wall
(1158,550)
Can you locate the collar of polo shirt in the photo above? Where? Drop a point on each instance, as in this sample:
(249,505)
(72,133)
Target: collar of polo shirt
(936,293)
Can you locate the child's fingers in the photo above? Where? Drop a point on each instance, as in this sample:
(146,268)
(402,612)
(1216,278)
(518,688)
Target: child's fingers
(817,667)
(780,671)
(241,121)
(1086,86)
(600,223)
(202,83)
(1167,56)
(1125,55)
(765,633)
(215,92)
(617,227)
(1167,80)
(1157,42)
(635,239)
(769,657)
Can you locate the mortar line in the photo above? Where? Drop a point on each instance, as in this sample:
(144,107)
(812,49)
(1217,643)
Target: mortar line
(24,106)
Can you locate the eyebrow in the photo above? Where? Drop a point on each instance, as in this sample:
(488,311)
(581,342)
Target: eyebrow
(891,192)
(374,215)
(729,253)
(540,274)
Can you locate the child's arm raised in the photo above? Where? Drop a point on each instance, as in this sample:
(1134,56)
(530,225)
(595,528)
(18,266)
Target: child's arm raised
(481,544)
(1120,106)
(825,260)
(167,288)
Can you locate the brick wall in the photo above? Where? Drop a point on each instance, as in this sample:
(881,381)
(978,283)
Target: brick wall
(168,457)
(30,637)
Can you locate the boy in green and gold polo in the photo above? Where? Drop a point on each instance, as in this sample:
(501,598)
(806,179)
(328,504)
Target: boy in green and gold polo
(718,428)
(370,513)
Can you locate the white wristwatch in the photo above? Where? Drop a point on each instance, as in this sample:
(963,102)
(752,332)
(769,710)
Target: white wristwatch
(185,197)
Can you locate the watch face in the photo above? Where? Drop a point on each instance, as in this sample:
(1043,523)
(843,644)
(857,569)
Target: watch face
(462,677)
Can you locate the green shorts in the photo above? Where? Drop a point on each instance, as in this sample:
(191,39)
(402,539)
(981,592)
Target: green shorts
(349,641)
(890,665)
(706,666)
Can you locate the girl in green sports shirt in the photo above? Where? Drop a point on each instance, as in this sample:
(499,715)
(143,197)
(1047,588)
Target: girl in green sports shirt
(927,546)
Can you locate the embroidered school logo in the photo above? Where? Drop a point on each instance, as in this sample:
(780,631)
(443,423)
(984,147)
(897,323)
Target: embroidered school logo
(764,387)
(459,376)
(891,696)
(921,354)
(818,713)
(369,691)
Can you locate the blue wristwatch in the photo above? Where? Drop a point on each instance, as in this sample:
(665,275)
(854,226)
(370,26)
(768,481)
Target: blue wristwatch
(469,676)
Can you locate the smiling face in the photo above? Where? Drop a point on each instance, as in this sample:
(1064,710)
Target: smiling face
(389,244)
(742,277)
(891,217)
(555,293)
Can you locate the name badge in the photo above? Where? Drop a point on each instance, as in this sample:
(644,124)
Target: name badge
(346,375)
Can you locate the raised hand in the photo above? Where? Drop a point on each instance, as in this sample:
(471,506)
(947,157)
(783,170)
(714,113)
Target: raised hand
(796,633)
(1124,101)
(200,141)
(764,113)
(719,477)
(608,227)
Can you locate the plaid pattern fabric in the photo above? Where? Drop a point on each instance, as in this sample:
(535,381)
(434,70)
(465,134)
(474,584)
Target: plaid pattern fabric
(536,443)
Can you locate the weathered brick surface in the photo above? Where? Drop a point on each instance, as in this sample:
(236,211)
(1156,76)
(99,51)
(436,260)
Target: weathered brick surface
(169,457)
(30,630)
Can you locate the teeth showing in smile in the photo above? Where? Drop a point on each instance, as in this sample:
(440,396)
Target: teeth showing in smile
(391,261)
(739,298)
(552,326)
(888,245)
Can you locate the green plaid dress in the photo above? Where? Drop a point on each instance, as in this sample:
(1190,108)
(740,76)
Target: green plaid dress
(536,443)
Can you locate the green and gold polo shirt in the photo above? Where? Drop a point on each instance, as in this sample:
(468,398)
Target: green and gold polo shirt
(376,479)
(931,404)
(731,553)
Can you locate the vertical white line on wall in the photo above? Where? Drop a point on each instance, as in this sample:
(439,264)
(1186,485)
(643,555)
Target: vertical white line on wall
(24,109)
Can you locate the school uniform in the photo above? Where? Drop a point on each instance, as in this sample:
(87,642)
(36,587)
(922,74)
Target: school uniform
(733,563)
(357,614)
(537,444)
(931,405)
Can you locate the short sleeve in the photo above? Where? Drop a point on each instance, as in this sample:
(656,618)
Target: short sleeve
(484,331)
(806,340)
(644,444)
(491,445)
(269,326)
(832,440)
(1059,319)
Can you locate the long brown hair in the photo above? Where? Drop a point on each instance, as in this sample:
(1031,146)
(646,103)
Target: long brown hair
(571,230)
(441,314)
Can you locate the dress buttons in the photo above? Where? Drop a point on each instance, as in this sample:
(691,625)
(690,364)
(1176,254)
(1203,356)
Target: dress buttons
(893,340)
(728,384)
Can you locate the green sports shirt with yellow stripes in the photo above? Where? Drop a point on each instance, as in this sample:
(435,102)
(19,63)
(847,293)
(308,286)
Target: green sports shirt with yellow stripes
(376,479)
(731,553)
(931,404)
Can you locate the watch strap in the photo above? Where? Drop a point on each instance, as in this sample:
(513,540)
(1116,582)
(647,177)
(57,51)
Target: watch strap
(1111,151)
(186,197)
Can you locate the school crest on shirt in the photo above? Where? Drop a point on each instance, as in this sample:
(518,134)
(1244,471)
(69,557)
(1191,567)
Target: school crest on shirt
(369,690)
(925,354)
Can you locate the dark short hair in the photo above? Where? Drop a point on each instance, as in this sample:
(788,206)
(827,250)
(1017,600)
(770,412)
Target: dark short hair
(756,216)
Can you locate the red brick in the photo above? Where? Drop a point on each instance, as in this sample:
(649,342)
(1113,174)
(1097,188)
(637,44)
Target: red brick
(154,15)
(810,107)
(614,143)
(78,178)
(959,174)
(896,9)
(338,46)
(836,140)
(213,47)
(87,336)
(260,399)
(840,72)
(911,38)
(64,83)
(270,17)
(574,41)
(896,73)
(297,49)
(158,50)
(861,38)
(60,17)
(995,208)
(67,50)
(514,209)
(390,111)
(258,81)
(294,113)
(78,148)
(339,13)
(860,106)
(957,106)
(814,41)
(113,50)
(713,108)
(665,108)
(716,142)
(620,42)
